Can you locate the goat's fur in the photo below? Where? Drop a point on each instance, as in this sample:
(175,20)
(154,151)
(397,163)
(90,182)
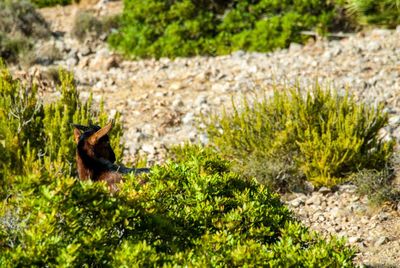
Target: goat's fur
(95,157)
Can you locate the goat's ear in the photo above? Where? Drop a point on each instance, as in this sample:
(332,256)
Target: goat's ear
(94,138)
(77,134)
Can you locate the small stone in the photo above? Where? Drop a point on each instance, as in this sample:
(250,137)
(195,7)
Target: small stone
(381,241)
(321,218)
(308,187)
(160,94)
(383,216)
(111,63)
(85,50)
(381,32)
(354,239)
(373,46)
(324,190)
(394,120)
(83,63)
(148,148)
(204,139)
(177,103)
(188,118)
(202,99)
(294,47)
(338,228)
(347,188)
(112,113)
(175,86)
(296,202)
(71,62)
(314,200)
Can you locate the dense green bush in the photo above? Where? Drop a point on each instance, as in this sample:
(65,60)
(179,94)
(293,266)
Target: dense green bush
(159,28)
(188,214)
(37,138)
(321,136)
(194,212)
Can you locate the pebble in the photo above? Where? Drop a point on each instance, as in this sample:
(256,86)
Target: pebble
(354,239)
(324,190)
(381,241)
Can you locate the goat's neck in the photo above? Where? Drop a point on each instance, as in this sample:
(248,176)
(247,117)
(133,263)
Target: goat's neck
(84,172)
(91,167)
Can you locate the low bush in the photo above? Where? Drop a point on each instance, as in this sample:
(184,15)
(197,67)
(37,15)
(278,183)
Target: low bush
(48,3)
(381,13)
(321,136)
(19,25)
(188,214)
(378,185)
(84,24)
(175,28)
(87,25)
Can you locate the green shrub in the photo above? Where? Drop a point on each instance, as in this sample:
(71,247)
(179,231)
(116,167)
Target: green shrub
(378,185)
(48,3)
(181,217)
(194,212)
(19,24)
(159,28)
(382,13)
(12,48)
(37,138)
(84,24)
(322,135)
(87,25)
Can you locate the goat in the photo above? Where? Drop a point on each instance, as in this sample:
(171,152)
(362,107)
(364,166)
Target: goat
(95,158)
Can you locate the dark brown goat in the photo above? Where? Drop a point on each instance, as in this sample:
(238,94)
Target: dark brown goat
(95,158)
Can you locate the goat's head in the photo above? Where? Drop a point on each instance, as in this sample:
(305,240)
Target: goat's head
(94,142)
(94,155)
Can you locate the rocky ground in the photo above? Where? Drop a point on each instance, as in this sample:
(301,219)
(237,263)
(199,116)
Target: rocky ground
(161,101)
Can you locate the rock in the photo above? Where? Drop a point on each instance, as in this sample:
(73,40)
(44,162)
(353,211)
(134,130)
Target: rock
(383,216)
(296,202)
(220,87)
(381,32)
(324,190)
(177,103)
(72,62)
(381,241)
(111,63)
(202,99)
(295,47)
(175,86)
(149,149)
(204,139)
(314,200)
(394,120)
(373,46)
(354,239)
(85,50)
(347,188)
(83,63)
(308,187)
(188,118)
